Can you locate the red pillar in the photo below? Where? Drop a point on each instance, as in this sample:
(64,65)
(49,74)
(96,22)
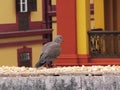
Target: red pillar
(66,26)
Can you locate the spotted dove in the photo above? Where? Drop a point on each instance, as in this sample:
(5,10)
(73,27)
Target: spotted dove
(50,52)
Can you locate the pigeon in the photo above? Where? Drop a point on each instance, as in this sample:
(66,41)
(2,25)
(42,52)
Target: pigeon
(50,52)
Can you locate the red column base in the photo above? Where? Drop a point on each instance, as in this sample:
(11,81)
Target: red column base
(67,60)
(72,60)
(78,60)
(83,59)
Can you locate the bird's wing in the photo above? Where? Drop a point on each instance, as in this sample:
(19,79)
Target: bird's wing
(49,52)
(46,46)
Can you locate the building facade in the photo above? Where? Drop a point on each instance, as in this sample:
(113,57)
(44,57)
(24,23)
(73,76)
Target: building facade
(91,32)
(25,25)
(90,29)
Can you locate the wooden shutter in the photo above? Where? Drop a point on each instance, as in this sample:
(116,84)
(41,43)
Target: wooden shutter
(23,21)
(18,5)
(32,5)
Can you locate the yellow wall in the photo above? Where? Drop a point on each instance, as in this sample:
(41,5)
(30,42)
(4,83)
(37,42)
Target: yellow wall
(8,56)
(54,27)
(83,25)
(36,51)
(53,2)
(99,13)
(7,11)
(37,15)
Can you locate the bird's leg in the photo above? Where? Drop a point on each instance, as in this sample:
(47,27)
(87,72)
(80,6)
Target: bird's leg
(54,65)
(46,65)
(50,64)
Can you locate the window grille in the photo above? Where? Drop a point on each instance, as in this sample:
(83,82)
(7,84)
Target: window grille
(25,56)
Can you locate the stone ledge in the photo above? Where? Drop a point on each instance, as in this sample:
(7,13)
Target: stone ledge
(60,83)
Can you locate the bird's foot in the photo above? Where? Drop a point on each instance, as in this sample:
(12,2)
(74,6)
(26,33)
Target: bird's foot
(46,65)
(54,65)
(50,65)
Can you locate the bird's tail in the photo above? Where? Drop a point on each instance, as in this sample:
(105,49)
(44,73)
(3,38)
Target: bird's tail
(39,64)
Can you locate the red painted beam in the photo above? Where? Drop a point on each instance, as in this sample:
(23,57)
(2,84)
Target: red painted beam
(23,43)
(52,13)
(24,33)
(8,27)
(92,61)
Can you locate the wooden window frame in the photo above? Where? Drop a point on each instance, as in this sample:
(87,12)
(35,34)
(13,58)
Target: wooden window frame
(22,51)
(23,5)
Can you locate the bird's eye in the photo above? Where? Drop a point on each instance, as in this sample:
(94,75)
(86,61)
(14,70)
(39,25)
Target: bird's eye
(60,37)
